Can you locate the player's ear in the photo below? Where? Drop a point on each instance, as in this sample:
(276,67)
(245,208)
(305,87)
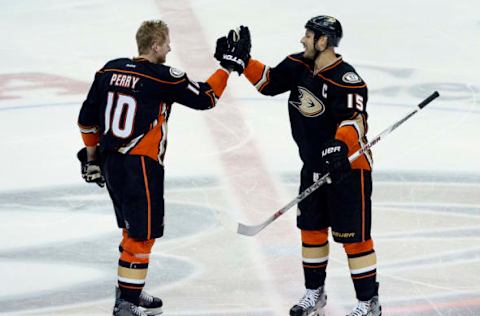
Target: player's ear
(154,47)
(321,43)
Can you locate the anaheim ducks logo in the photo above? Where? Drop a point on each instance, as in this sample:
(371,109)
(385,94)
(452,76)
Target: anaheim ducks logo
(309,105)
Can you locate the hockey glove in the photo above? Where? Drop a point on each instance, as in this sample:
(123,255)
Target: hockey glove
(233,51)
(335,160)
(221,48)
(91,171)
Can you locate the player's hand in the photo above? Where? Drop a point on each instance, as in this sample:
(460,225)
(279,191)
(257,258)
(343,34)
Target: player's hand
(221,48)
(91,171)
(233,51)
(335,160)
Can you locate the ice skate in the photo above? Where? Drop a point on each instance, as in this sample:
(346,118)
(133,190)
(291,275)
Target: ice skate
(367,308)
(152,305)
(149,304)
(311,304)
(125,308)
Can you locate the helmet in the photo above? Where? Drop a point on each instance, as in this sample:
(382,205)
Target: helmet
(326,25)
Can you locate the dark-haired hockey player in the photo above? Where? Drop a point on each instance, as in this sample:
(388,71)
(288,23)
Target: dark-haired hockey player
(328,117)
(123,123)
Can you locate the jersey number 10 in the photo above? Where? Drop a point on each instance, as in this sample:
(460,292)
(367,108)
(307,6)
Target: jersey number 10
(123,114)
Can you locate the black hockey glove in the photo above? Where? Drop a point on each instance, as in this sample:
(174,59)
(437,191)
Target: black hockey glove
(91,171)
(335,160)
(221,48)
(233,51)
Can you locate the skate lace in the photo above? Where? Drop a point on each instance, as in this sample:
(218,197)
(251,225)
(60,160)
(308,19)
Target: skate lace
(362,308)
(137,311)
(309,299)
(146,297)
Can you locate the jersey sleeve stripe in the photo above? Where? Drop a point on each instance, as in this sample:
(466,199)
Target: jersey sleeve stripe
(212,97)
(264,79)
(193,89)
(88,129)
(90,134)
(143,75)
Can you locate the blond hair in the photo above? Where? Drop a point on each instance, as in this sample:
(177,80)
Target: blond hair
(150,32)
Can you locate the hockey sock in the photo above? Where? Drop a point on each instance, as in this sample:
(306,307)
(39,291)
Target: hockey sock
(362,262)
(133,267)
(131,280)
(315,251)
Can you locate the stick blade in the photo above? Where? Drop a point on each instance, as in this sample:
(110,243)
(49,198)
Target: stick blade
(247,230)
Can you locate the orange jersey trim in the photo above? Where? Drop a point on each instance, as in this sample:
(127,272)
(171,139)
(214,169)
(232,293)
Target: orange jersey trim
(218,81)
(349,135)
(299,61)
(211,95)
(335,64)
(149,145)
(147,191)
(266,82)
(363,205)
(254,71)
(142,75)
(340,85)
(90,139)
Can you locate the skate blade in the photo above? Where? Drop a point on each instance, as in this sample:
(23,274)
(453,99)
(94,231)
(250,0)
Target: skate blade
(317,312)
(319,309)
(152,311)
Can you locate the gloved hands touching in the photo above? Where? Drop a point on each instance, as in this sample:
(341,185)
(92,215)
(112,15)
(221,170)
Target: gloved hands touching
(233,50)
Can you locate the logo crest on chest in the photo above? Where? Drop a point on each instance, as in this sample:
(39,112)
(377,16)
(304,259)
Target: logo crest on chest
(308,104)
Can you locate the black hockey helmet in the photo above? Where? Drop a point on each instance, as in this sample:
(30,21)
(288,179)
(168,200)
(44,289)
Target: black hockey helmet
(326,25)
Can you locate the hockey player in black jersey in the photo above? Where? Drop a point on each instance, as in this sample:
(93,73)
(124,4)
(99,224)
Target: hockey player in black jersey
(328,116)
(123,123)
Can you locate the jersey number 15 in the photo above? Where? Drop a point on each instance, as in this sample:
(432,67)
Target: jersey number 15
(355,101)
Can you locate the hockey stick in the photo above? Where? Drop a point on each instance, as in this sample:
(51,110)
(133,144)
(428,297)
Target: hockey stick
(252,230)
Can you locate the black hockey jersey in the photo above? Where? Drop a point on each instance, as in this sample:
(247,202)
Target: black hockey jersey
(130,100)
(330,104)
